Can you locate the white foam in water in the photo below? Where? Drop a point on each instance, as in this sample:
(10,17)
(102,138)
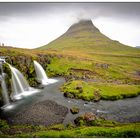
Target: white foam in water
(7,107)
(17,97)
(101,111)
(41,75)
(49,81)
(30,92)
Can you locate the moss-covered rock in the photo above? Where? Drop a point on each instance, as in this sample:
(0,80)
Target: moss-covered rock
(97,95)
(85,119)
(90,119)
(70,126)
(79,121)
(74,110)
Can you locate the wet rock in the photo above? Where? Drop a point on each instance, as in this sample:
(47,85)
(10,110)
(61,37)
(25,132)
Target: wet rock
(89,116)
(43,113)
(68,95)
(86,102)
(74,110)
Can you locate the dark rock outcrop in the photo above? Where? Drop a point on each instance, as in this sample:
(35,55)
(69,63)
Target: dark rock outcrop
(42,113)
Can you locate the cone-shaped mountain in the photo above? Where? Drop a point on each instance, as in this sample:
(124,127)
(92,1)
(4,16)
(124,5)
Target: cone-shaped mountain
(84,36)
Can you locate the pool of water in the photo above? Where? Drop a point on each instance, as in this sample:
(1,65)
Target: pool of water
(126,110)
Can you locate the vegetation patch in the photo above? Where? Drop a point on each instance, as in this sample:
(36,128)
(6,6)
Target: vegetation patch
(96,67)
(95,91)
(101,128)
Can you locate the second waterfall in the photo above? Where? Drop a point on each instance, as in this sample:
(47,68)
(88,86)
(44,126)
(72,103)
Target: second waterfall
(41,75)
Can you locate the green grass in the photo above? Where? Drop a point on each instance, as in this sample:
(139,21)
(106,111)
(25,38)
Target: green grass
(120,69)
(116,131)
(62,66)
(107,91)
(99,129)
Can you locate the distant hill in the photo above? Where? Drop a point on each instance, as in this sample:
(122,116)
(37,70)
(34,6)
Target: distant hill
(138,47)
(84,36)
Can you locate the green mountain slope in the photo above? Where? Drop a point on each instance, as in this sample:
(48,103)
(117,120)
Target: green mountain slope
(84,36)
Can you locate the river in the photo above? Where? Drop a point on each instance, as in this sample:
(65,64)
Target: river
(126,110)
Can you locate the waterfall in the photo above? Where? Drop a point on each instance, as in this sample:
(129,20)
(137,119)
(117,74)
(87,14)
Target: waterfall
(4,90)
(41,75)
(20,86)
(3,84)
(19,82)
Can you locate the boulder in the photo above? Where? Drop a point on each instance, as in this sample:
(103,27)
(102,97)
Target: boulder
(87,119)
(74,110)
(89,116)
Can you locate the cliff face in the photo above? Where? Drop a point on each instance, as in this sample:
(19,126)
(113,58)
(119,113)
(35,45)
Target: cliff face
(25,65)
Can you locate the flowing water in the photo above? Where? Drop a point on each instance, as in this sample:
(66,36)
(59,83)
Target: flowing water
(41,74)
(4,91)
(20,86)
(3,85)
(126,110)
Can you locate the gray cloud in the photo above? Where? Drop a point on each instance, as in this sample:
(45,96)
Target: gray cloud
(93,10)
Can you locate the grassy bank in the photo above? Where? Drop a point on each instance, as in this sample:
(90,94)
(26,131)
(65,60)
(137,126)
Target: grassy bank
(102,67)
(106,91)
(123,131)
(107,130)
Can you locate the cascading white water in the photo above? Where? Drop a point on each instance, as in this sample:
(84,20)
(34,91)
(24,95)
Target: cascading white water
(41,75)
(20,86)
(3,83)
(19,82)
(4,91)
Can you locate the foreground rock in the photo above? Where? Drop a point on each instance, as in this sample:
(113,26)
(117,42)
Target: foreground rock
(42,113)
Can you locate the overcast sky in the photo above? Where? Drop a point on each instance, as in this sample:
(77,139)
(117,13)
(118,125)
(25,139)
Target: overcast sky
(31,25)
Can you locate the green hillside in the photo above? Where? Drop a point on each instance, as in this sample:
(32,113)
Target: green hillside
(84,36)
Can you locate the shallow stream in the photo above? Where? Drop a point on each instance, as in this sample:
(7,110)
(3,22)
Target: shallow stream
(126,110)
